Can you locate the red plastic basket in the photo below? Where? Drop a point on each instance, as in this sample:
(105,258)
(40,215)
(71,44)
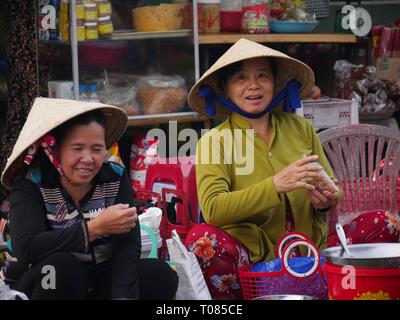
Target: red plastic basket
(286,281)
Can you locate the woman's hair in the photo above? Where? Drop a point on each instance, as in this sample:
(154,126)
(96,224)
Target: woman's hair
(60,132)
(225,73)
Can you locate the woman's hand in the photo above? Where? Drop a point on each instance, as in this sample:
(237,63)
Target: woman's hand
(119,218)
(325,199)
(296,175)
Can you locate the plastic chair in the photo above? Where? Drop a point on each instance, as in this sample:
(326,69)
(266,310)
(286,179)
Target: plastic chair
(366,161)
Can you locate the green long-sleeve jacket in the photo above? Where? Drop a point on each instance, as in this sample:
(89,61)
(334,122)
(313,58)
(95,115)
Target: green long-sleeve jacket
(238,194)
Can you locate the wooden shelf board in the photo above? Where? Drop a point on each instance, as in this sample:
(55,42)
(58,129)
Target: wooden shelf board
(143,120)
(227,38)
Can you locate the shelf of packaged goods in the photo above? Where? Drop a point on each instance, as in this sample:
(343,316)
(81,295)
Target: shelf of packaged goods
(152,119)
(229,38)
(133,35)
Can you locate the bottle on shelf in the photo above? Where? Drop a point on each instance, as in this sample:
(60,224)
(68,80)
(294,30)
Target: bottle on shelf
(83,96)
(93,97)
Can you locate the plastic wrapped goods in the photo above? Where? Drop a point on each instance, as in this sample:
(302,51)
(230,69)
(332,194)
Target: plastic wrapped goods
(161,93)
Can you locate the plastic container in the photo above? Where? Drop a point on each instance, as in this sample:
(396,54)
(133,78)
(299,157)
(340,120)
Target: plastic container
(151,241)
(328,113)
(106,27)
(323,181)
(80,11)
(90,12)
(292,26)
(104,8)
(255,16)
(209,16)
(83,96)
(80,31)
(91,31)
(231,15)
(369,283)
(93,97)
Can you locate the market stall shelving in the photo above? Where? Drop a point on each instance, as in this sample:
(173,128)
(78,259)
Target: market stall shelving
(144,120)
(230,38)
(193,42)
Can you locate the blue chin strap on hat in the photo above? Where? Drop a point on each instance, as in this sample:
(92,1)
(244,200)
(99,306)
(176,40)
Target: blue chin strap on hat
(290,94)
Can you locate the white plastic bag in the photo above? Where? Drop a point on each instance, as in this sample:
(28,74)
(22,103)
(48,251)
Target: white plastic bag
(8,294)
(192,285)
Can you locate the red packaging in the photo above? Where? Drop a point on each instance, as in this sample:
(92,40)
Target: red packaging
(376,33)
(143,151)
(396,44)
(231,21)
(386,44)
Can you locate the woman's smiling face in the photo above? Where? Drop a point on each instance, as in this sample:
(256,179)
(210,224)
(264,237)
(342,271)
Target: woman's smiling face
(252,87)
(82,152)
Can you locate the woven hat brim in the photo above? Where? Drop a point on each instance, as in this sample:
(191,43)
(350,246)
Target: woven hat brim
(287,69)
(47,114)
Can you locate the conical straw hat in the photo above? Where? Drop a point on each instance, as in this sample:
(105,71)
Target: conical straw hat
(47,114)
(287,69)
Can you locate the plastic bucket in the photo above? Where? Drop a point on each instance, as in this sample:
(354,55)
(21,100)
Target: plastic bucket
(362,283)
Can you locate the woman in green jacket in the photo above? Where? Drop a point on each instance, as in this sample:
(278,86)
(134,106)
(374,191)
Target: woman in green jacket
(255,170)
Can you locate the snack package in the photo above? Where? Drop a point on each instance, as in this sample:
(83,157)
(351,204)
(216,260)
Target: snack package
(143,151)
(161,94)
(323,181)
(361,83)
(122,97)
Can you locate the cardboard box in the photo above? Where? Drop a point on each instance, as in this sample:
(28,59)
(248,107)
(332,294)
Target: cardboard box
(388,68)
(60,89)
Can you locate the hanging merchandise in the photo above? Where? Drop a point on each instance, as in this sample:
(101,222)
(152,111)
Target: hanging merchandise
(143,151)
(255,16)
(209,16)
(231,15)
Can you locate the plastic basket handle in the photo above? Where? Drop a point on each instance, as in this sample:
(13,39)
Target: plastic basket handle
(292,244)
(153,252)
(285,238)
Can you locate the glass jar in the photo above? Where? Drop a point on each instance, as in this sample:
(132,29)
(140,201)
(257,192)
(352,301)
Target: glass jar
(91,31)
(255,16)
(90,12)
(106,27)
(209,16)
(231,15)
